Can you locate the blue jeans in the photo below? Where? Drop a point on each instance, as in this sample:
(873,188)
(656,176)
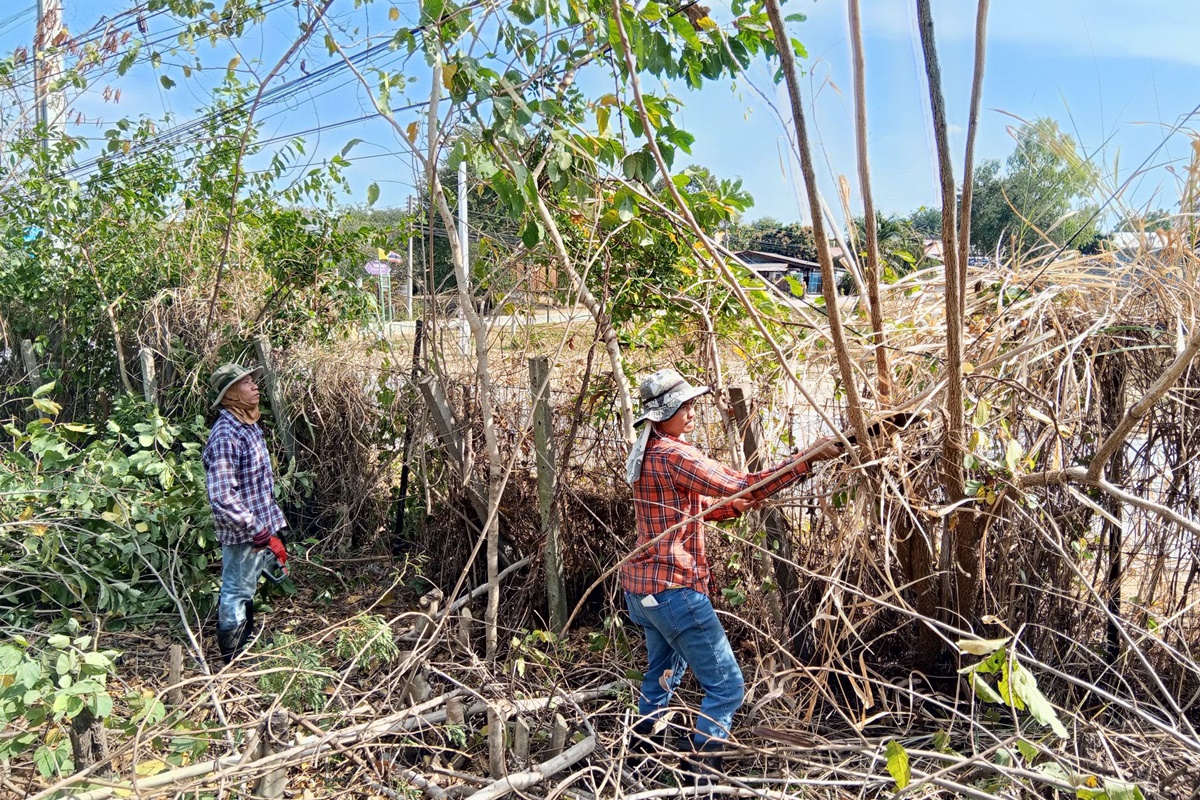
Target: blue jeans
(683,630)
(241,565)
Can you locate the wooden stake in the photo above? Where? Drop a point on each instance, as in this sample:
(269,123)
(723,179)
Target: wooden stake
(465,621)
(558,736)
(273,739)
(521,739)
(454,712)
(496,731)
(149,380)
(547,481)
(175,694)
(430,603)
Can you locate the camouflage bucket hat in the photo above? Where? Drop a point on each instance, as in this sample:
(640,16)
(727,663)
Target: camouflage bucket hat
(663,393)
(226,376)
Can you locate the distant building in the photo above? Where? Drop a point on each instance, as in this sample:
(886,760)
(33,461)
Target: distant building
(775,268)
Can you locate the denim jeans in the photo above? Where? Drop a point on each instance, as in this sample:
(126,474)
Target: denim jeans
(241,565)
(682,630)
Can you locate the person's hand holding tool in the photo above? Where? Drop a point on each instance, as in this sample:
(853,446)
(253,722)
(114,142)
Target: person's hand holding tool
(823,449)
(744,504)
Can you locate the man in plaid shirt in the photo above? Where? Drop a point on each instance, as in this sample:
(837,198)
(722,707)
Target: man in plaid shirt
(677,491)
(241,492)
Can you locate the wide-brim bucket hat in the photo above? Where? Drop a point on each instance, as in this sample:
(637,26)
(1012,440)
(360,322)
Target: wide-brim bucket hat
(663,393)
(226,376)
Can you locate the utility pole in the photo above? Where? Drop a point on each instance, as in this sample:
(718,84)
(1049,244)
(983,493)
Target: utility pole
(463,247)
(462,218)
(47,58)
(408,286)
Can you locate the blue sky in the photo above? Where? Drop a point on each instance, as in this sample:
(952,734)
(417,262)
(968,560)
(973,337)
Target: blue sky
(1117,79)
(1116,75)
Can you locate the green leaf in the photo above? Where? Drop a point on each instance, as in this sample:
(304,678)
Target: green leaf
(44,389)
(531,234)
(48,761)
(1012,456)
(372,194)
(1054,771)
(101,705)
(992,664)
(47,406)
(166,82)
(1004,687)
(1024,685)
(1028,751)
(350,146)
(1119,790)
(28,674)
(897,764)
(431,11)
(983,410)
(10,659)
(683,28)
(985,692)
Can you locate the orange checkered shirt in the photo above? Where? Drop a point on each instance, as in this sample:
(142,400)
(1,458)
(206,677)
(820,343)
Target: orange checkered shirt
(679,483)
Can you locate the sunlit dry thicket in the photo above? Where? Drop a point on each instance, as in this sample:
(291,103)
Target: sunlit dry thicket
(995,599)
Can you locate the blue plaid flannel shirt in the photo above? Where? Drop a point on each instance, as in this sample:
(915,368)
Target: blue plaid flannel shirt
(240,482)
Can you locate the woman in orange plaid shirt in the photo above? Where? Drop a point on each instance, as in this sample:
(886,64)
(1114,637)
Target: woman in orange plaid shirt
(677,490)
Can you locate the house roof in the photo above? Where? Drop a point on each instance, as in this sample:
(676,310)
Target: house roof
(762,258)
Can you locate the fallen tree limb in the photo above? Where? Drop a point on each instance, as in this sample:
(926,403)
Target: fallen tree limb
(1083,476)
(406,721)
(519,781)
(481,590)
(1142,407)
(401,722)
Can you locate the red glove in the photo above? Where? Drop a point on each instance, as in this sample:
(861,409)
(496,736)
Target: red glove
(276,546)
(261,538)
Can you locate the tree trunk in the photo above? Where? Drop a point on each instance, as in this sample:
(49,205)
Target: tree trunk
(964,213)
(89,741)
(1110,370)
(883,375)
(787,60)
(960,542)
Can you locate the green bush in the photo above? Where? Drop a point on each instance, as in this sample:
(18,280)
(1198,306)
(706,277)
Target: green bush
(368,640)
(112,522)
(45,690)
(295,674)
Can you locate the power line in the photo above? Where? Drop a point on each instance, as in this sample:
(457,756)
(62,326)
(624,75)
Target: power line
(17,19)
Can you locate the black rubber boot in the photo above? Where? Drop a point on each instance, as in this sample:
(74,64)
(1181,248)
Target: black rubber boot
(228,640)
(703,767)
(247,626)
(644,741)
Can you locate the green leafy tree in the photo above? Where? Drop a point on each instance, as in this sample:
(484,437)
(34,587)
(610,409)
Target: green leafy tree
(1037,196)
(773,236)
(927,222)
(901,245)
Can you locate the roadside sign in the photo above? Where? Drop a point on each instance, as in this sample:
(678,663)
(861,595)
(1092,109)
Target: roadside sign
(377,268)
